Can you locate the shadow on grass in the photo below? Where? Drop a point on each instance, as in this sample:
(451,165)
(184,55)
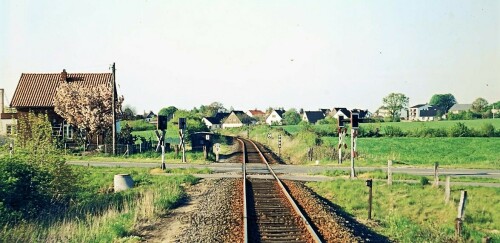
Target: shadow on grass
(271,157)
(358,229)
(234,157)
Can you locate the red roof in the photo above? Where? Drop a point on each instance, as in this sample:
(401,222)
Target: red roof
(257,112)
(39,89)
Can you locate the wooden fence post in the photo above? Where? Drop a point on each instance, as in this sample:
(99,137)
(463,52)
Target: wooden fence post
(389,172)
(447,191)
(436,175)
(461,213)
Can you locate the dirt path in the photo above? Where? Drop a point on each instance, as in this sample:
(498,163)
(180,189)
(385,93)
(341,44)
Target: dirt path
(169,227)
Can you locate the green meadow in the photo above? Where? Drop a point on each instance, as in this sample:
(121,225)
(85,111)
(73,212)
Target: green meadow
(416,212)
(450,152)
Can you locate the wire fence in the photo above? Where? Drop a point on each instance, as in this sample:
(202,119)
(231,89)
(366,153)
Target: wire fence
(121,149)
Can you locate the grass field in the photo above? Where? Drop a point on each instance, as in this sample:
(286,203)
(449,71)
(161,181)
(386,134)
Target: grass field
(146,157)
(406,126)
(453,152)
(171,136)
(416,213)
(463,152)
(381,175)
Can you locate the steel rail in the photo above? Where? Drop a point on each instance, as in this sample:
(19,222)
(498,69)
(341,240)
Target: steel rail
(245,216)
(297,210)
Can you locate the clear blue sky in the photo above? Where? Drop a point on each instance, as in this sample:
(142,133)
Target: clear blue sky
(257,54)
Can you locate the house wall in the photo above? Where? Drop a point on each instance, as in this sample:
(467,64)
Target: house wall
(207,123)
(232,121)
(4,123)
(340,113)
(414,113)
(304,117)
(210,125)
(274,118)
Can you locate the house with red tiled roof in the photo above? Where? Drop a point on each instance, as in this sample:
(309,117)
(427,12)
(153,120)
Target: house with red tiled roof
(36,91)
(258,115)
(255,113)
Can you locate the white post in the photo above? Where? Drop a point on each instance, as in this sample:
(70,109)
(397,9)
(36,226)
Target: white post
(447,191)
(436,175)
(163,166)
(183,146)
(11,148)
(353,172)
(461,205)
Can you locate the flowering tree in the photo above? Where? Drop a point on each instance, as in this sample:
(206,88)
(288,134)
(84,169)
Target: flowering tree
(87,108)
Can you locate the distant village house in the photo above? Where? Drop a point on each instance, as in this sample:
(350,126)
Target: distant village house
(275,117)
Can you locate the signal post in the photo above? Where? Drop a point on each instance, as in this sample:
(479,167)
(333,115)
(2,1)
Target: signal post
(161,125)
(182,133)
(354,134)
(279,145)
(342,133)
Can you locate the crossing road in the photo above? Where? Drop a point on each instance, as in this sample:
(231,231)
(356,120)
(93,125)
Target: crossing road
(300,169)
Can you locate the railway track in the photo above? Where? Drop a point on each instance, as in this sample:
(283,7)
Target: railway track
(269,212)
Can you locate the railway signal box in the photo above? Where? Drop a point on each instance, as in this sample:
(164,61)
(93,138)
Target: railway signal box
(161,123)
(354,120)
(182,123)
(341,121)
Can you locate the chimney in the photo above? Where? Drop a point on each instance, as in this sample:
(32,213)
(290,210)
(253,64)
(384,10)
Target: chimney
(1,100)
(64,75)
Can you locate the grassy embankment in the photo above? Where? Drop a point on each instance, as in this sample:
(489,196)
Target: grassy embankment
(416,213)
(99,215)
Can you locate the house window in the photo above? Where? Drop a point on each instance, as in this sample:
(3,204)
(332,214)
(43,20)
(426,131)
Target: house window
(10,129)
(68,131)
(274,116)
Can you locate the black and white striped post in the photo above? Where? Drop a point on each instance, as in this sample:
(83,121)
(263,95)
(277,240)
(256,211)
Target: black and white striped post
(354,134)
(342,132)
(279,145)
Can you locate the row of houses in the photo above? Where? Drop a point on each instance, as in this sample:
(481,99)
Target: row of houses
(423,112)
(275,117)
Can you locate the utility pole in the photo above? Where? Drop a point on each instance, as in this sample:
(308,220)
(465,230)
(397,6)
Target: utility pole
(113,107)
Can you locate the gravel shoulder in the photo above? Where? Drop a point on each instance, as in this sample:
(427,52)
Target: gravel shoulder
(329,220)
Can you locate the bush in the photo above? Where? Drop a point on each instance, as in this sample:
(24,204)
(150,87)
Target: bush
(369,131)
(424,131)
(36,181)
(487,130)
(424,181)
(392,131)
(459,130)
